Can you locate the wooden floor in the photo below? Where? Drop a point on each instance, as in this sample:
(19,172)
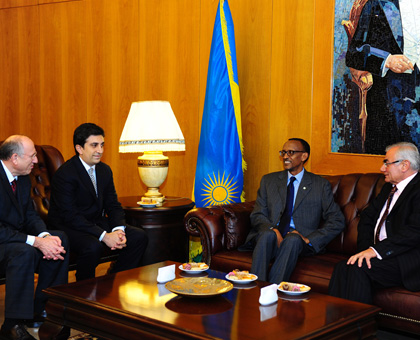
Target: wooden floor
(100,270)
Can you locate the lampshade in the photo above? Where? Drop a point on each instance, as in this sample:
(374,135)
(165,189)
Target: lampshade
(151,127)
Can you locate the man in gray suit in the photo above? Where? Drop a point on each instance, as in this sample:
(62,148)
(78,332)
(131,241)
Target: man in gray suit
(292,217)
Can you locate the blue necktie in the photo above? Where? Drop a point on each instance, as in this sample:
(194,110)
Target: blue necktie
(284,224)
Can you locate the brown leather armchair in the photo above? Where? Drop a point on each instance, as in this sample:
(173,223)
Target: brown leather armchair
(222,229)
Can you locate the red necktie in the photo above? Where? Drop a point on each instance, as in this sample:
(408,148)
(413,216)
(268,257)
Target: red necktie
(14,185)
(386,212)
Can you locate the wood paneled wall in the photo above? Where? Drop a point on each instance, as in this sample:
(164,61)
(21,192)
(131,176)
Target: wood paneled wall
(64,63)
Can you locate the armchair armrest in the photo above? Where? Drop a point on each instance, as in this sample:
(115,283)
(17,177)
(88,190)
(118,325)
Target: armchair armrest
(222,227)
(209,225)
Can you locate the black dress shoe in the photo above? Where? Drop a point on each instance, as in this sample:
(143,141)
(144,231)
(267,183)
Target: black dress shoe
(17,332)
(37,321)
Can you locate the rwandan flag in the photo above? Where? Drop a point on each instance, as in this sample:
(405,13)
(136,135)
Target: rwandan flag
(219,172)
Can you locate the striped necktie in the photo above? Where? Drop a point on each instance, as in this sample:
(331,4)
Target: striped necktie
(386,212)
(92,178)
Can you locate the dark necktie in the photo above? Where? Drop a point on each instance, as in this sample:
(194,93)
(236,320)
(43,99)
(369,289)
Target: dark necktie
(14,186)
(386,212)
(284,224)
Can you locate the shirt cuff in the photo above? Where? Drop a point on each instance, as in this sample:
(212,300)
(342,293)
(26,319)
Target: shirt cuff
(384,68)
(102,236)
(120,227)
(377,254)
(30,239)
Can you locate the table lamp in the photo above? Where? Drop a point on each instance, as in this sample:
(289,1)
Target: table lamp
(151,127)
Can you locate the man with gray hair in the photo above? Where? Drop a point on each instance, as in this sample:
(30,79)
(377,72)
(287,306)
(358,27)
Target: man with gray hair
(388,238)
(26,246)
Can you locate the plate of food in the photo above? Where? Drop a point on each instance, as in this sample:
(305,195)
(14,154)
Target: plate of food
(194,267)
(291,288)
(239,276)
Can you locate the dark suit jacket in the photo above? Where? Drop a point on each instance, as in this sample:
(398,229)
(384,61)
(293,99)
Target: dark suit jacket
(392,99)
(315,213)
(403,231)
(74,204)
(378,34)
(17,220)
(17,215)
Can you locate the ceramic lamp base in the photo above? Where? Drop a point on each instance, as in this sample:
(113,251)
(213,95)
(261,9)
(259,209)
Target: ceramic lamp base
(153,169)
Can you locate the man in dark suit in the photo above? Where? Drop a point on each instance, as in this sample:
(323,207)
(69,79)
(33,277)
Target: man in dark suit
(388,238)
(385,44)
(84,204)
(26,245)
(289,223)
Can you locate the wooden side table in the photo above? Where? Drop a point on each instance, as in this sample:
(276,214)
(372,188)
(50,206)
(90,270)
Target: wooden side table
(168,239)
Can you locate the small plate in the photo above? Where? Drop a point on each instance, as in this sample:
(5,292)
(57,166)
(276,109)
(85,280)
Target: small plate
(244,285)
(254,277)
(146,205)
(199,274)
(193,271)
(304,288)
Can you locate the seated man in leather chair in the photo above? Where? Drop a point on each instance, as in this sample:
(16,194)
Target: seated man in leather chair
(26,245)
(85,205)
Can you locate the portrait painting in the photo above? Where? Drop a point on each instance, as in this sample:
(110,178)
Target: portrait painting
(376,79)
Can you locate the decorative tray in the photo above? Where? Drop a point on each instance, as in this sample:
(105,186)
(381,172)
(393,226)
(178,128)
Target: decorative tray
(199,286)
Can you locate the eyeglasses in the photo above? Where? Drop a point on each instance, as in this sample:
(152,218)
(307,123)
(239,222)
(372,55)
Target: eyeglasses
(387,164)
(33,156)
(288,152)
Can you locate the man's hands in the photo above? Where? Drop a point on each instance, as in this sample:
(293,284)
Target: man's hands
(399,63)
(280,238)
(363,255)
(303,237)
(115,240)
(50,246)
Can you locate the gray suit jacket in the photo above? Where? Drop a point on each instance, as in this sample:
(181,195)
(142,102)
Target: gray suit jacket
(315,214)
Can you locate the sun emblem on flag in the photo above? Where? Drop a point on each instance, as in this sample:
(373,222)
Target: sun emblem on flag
(220,190)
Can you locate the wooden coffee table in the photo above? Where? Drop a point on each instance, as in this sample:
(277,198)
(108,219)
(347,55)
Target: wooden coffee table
(131,305)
